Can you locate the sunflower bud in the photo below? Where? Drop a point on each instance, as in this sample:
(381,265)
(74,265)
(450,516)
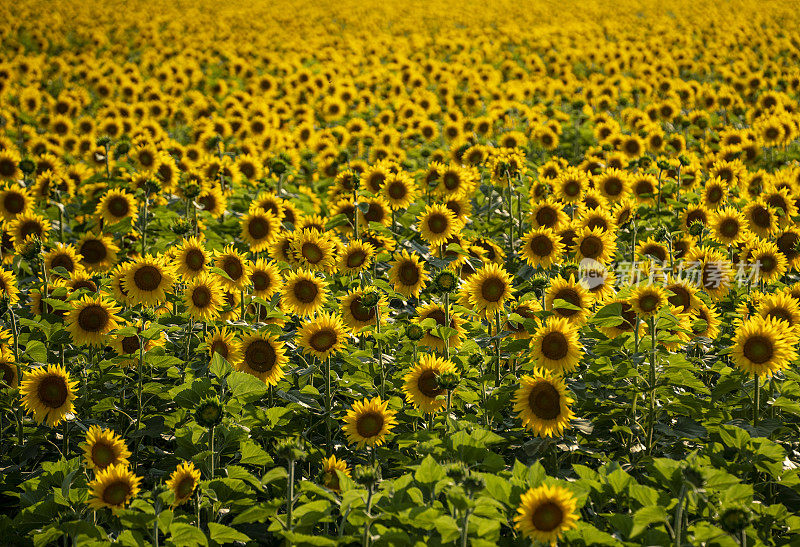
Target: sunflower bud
(191,191)
(366,476)
(104,141)
(475,359)
(290,450)
(473,484)
(448,380)
(645,162)
(151,186)
(734,519)
(181,227)
(457,472)
(370,299)
(696,228)
(122,149)
(694,476)
(445,281)
(568,270)
(208,412)
(27,166)
(148,314)
(414,332)
(539,283)
(278,166)
(31,248)
(684,160)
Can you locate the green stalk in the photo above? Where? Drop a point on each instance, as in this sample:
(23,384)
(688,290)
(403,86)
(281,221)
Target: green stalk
(652,386)
(497,348)
(290,495)
(756,400)
(15,334)
(211,449)
(380,348)
(139,389)
(678,522)
(366,539)
(465,528)
(328,400)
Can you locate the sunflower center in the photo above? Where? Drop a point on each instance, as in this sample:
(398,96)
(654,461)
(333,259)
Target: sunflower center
(185,487)
(656,251)
(555,346)
(116,493)
(30,228)
(7,167)
(397,190)
(781,313)
(451,181)
(261,281)
(62,261)
(13,203)
(591,247)
(613,186)
(437,223)
(712,275)
(541,245)
(323,340)
(729,227)
(6,374)
(306,291)
(546,217)
(360,312)
(696,216)
(130,344)
(428,385)
(312,252)
(260,356)
(209,203)
(714,194)
(93,318)
(233,267)
(768,263)
(644,187)
(571,297)
(195,260)
(103,455)
(218,346)
(758,349)
(649,302)
(572,188)
(681,297)
(408,272)
(53,392)
(201,297)
(786,244)
(547,516)
(375,213)
(545,401)
(118,206)
(369,424)
(258,228)
(147,278)
(356,258)
(761,217)
(493,289)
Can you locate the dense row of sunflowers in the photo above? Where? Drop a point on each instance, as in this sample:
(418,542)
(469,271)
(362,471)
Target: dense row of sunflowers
(419,274)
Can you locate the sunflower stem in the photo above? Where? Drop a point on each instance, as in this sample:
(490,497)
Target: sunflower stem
(636,378)
(140,371)
(465,528)
(66,440)
(380,348)
(328,399)
(144,223)
(368,522)
(678,522)
(447,322)
(497,347)
(652,386)
(289,495)
(15,334)
(756,399)
(211,449)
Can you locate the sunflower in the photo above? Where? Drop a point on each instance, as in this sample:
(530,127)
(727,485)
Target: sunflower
(303,293)
(555,346)
(117,205)
(599,280)
(407,275)
(763,346)
(644,188)
(191,258)
(148,280)
(213,201)
(357,316)
(598,218)
(594,244)
(235,266)
(98,253)
(683,294)
(548,213)
(224,342)
(761,218)
(8,286)
(728,226)
(259,229)
(780,306)
(266,279)
(542,248)
(713,269)
(322,336)
(314,250)
(787,244)
(8,369)
(113,487)
(488,289)
(646,300)
(48,394)
(437,223)
(652,250)
(493,251)
(695,214)
(526,310)
(127,346)
(183,482)
(570,184)
(102,448)
(330,477)
(706,321)
(543,404)
(613,184)
(436,312)
(63,256)
(203,298)
(421,383)
(399,191)
(574,293)
(14,201)
(369,422)
(771,264)
(9,165)
(27,225)
(545,513)
(355,257)
(714,193)
(262,356)
(91,319)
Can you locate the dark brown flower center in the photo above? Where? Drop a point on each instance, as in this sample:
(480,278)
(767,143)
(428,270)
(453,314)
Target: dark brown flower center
(758,349)
(258,228)
(306,291)
(409,273)
(761,217)
(555,346)
(118,207)
(360,312)
(232,266)
(93,318)
(591,246)
(116,493)
(369,424)
(541,245)
(356,258)
(201,297)
(545,401)
(571,297)
(62,261)
(103,455)
(546,217)
(219,346)
(428,384)
(437,223)
(260,356)
(147,278)
(323,340)
(185,487)
(547,516)
(493,289)
(14,203)
(52,391)
(312,252)
(93,251)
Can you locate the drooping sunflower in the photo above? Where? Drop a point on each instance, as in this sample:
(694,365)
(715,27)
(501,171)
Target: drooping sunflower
(545,513)
(369,422)
(103,447)
(266,278)
(542,247)
(26,225)
(355,257)
(437,223)
(314,250)
(574,293)
(259,229)
(357,316)
(555,346)
(303,293)
(117,205)
(235,266)
(203,298)
(407,275)
(543,403)
(330,477)
(421,383)
(594,244)
(647,299)
(8,286)
(488,289)
(8,369)
(48,394)
(14,201)
(223,341)
(98,252)
(113,487)
(263,356)
(148,280)
(436,312)
(322,336)
(762,346)
(183,482)
(91,319)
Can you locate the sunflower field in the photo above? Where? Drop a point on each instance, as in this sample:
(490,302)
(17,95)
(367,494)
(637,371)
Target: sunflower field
(400,273)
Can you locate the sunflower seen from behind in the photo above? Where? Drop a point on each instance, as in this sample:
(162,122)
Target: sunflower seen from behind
(48,394)
(369,422)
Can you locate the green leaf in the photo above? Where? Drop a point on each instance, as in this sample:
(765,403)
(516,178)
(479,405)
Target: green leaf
(36,351)
(220,367)
(253,454)
(609,315)
(245,387)
(560,304)
(646,516)
(224,534)
(429,471)
(187,535)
